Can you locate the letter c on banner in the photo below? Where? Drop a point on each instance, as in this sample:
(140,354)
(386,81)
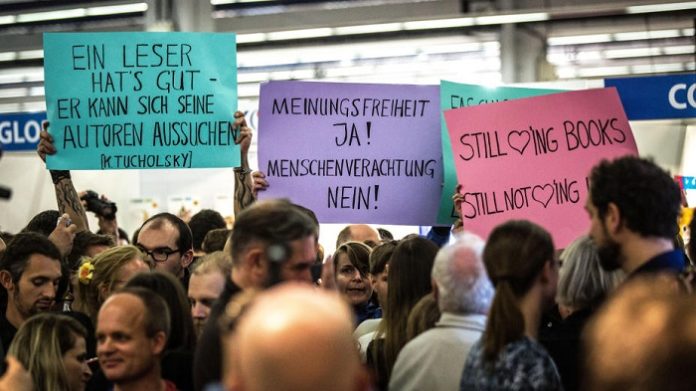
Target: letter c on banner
(690,96)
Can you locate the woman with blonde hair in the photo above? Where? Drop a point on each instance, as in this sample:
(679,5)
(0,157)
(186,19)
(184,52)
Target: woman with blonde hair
(53,350)
(100,276)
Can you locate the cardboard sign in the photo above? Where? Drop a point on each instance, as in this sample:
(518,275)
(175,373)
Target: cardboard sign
(455,95)
(353,153)
(530,158)
(141,100)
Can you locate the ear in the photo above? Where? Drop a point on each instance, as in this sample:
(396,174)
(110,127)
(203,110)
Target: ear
(186,258)
(612,218)
(158,342)
(104,291)
(6,280)
(547,273)
(255,261)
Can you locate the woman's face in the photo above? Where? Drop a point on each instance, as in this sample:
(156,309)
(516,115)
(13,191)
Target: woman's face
(76,368)
(355,287)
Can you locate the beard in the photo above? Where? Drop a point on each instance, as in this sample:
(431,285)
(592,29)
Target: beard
(609,254)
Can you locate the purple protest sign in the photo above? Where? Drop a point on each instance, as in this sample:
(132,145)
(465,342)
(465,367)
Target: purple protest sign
(353,153)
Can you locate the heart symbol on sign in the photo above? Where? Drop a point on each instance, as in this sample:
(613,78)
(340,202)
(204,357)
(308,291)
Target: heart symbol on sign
(542,194)
(518,140)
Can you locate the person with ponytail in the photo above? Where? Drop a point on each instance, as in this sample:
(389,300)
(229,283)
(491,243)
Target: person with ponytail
(520,263)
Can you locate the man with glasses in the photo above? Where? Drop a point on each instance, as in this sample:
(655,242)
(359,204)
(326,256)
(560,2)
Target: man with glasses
(167,242)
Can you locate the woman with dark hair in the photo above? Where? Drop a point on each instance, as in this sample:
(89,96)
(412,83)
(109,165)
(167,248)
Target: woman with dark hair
(53,350)
(177,362)
(351,268)
(520,263)
(408,280)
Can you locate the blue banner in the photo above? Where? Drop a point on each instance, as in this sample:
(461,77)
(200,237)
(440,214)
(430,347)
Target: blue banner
(657,97)
(20,131)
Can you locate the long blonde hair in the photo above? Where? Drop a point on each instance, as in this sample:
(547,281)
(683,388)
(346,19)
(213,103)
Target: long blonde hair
(106,266)
(40,344)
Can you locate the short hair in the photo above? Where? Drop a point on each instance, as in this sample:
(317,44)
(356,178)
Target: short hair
(180,332)
(462,282)
(343,236)
(185,240)
(83,240)
(358,255)
(106,266)
(384,234)
(203,222)
(44,222)
(156,314)
(40,344)
(21,248)
(380,256)
(216,261)
(646,195)
(582,282)
(269,222)
(215,239)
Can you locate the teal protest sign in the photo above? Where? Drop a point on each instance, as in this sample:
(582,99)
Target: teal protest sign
(455,95)
(141,100)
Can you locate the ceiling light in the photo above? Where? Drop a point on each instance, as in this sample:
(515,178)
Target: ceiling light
(299,34)
(513,18)
(51,15)
(579,39)
(251,38)
(677,50)
(631,52)
(641,9)
(30,54)
(369,28)
(438,24)
(117,9)
(7,19)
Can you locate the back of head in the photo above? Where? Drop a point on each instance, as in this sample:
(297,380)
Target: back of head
(203,222)
(81,244)
(270,222)
(357,233)
(105,268)
(43,223)
(215,240)
(646,195)
(462,283)
(409,280)
(422,317)
(514,256)
(185,240)
(215,262)
(40,344)
(582,282)
(181,335)
(643,338)
(288,322)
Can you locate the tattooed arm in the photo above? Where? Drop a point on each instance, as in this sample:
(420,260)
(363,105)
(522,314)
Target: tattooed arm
(243,195)
(66,196)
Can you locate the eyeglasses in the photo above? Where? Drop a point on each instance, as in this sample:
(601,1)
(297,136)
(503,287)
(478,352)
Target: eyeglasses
(159,254)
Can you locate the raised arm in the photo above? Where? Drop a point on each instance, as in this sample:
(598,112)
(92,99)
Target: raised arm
(66,196)
(243,195)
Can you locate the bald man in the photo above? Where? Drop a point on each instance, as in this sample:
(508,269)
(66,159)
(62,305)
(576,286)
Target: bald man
(357,233)
(294,338)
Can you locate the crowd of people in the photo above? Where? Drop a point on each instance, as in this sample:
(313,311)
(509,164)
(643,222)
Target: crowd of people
(197,305)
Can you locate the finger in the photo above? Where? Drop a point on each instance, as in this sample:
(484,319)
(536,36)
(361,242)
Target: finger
(71,229)
(458,189)
(238,114)
(44,126)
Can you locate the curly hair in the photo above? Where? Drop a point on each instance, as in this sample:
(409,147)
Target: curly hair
(647,197)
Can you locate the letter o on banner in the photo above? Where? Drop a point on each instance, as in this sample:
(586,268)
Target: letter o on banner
(690,96)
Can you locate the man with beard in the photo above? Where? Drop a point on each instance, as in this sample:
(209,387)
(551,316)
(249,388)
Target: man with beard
(634,205)
(29,273)
(208,277)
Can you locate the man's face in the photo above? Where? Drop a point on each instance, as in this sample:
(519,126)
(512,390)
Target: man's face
(608,249)
(203,290)
(355,287)
(162,240)
(298,267)
(36,289)
(124,350)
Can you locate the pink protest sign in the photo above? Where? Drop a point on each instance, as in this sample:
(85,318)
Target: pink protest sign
(353,153)
(530,158)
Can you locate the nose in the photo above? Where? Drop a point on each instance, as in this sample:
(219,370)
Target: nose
(357,276)
(86,371)
(104,347)
(199,311)
(49,291)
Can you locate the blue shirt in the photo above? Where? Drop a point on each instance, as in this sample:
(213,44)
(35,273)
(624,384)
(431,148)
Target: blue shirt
(670,261)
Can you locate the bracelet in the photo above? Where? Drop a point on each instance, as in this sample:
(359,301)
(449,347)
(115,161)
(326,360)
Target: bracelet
(243,171)
(59,175)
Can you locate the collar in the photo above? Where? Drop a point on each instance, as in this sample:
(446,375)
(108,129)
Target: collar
(468,321)
(670,261)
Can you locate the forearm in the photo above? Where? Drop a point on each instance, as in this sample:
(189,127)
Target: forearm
(243,194)
(69,202)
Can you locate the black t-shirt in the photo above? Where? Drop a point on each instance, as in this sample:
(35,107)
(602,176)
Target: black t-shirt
(7,333)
